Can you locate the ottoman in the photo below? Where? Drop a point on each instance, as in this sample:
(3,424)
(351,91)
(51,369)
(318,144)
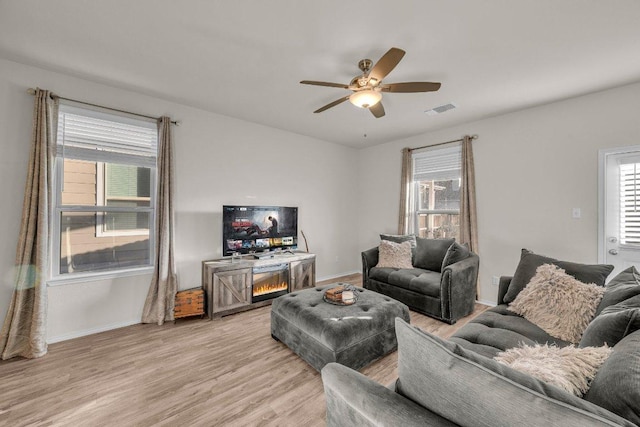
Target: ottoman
(319,332)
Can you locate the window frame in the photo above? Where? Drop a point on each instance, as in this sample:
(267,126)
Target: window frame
(57,209)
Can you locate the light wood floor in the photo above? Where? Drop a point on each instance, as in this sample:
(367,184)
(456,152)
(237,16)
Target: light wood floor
(196,372)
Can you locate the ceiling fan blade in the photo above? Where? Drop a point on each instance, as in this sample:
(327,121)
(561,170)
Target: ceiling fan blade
(385,64)
(377,110)
(311,82)
(410,87)
(332,104)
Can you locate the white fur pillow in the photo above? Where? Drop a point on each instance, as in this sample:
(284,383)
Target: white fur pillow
(570,368)
(558,303)
(396,255)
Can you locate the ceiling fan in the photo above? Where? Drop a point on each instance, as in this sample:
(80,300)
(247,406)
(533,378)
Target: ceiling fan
(368,87)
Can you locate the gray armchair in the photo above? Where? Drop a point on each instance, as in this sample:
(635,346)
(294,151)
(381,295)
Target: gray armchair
(441,284)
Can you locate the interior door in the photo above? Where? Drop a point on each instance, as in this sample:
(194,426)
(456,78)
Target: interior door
(619,240)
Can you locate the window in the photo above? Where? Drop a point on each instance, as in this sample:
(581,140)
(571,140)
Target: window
(436,192)
(104,204)
(630,204)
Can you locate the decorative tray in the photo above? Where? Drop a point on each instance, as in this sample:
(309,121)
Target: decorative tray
(339,290)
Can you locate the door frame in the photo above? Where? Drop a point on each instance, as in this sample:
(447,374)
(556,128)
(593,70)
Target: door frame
(602,196)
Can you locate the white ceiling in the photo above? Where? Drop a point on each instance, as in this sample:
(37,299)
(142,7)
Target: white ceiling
(245,59)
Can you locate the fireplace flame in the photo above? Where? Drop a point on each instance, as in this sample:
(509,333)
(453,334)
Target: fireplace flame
(268,288)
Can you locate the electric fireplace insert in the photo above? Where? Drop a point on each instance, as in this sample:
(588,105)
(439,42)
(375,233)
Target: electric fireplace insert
(270,282)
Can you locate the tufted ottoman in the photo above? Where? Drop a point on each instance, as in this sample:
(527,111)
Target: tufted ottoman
(353,335)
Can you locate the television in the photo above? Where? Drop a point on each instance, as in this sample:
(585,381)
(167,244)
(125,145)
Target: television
(254,229)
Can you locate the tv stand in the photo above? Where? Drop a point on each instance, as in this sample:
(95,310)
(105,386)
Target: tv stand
(229,282)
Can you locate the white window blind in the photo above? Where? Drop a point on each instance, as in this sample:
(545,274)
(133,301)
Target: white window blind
(102,137)
(438,165)
(630,204)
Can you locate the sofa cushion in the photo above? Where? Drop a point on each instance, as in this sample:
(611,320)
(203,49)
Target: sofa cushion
(569,368)
(394,255)
(625,285)
(529,262)
(613,324)
(472,390)
(558,303)
(354,399)
(430,253)
(499,329)
(616,386)
(455,253)
(421,281)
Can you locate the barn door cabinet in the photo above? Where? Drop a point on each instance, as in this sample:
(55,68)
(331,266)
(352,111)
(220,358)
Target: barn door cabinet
(229,283)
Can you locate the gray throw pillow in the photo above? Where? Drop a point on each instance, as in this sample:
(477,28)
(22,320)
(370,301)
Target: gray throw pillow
(430,253)
(616,386)
(613,324)
(455,253)
(624,286)
(470,389)
(610,327)
(529,262)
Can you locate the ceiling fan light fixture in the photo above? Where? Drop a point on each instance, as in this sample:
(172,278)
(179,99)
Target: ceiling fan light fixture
(365,98)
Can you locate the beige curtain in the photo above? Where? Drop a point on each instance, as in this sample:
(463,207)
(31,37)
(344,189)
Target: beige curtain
(404,217)
(160,301)
(24,330)
(468,219)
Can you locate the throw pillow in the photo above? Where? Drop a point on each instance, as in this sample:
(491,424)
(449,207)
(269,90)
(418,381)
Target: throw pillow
(399,238)
(616,385)
(625,285)
(394,255)
(472,390)
(570,368)
(455,253)
(529,262)
(430,253)
(613,324)
(558,303)
(610,327)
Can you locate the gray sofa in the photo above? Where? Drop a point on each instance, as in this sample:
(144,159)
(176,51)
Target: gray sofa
(457,382)
(441,284)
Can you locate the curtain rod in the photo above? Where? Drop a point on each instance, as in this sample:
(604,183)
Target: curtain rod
(443,143)
(32,91)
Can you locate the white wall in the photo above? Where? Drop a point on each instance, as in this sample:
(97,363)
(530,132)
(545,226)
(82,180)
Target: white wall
(532,168)
(219,161)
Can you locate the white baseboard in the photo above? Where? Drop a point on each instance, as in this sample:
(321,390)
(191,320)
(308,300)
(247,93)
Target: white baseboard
(85,332)
(489,303)
(335,276)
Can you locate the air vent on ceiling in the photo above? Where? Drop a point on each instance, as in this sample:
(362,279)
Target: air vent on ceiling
(441,109)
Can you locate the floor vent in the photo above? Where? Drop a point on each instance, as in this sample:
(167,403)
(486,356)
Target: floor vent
(441,109)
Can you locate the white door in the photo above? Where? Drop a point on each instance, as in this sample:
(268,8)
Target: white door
(619,239)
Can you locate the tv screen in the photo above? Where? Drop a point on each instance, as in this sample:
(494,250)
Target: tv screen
(249,229)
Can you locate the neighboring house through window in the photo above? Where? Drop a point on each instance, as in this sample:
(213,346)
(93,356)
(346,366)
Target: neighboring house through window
(124,186)
(104,205)
(436,192)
